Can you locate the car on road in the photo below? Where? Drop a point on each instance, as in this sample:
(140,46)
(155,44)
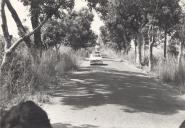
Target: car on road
(95,58)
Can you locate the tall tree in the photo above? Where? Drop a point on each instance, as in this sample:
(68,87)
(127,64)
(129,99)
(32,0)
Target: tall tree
(80,33)
(105,35)
(124,22)
(168,16)
(180,35)
(39,9)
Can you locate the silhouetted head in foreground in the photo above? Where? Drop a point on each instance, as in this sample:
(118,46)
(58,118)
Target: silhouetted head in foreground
(25,115)
(182,125)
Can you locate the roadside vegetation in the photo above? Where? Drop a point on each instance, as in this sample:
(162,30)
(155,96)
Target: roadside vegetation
(26,80)
(168,70)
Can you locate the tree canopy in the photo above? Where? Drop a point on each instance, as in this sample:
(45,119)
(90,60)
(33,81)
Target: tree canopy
(126,18)
(73,29)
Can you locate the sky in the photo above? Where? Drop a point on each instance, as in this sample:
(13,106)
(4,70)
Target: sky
(97,23)
(24,14)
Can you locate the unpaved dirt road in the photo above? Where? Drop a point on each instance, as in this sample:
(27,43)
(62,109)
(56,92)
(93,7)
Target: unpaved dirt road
(116,95)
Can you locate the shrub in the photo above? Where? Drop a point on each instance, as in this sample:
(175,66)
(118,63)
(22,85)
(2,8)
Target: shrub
(130,57)
(68,61)
(167,69)
(170,71)
(110,52)
(83,53)
(19,75)
(180,75)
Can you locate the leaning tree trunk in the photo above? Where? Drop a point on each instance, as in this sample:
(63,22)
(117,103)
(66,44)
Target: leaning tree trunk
(7,57)
(22,32)
(10,48)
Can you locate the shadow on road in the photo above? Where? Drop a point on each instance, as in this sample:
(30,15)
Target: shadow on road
(134,90)
(59,125)
(99,64)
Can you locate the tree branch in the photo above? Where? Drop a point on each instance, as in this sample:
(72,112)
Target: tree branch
(18,22)
(13,47)
(28,35)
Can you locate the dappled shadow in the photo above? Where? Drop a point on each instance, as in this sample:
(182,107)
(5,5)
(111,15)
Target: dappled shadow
(134,90)
(59,125)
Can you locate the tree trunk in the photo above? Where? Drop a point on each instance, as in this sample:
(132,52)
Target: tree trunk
(35,12)
(4,75)
(139,44)
(22,32)
(181,53)
(7,57)
(10,48)
(35,55)
(135,50)
(143,49)
(57,48)
(140,53)
(125,42)
(165,44)
(7,43)
(119,48)
(5,65)
(151,44)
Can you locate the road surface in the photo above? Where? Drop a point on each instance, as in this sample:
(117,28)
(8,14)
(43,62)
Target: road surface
(115,95)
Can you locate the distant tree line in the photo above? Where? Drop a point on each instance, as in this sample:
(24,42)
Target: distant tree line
(146,22)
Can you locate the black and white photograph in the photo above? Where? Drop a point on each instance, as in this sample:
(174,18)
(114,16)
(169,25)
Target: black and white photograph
(92,63)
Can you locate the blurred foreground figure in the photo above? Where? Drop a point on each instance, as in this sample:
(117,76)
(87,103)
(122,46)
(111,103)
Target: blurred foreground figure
(182,125)
(25,115)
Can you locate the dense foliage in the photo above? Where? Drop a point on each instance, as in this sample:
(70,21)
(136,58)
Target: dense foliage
(126,19)
(73,29)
